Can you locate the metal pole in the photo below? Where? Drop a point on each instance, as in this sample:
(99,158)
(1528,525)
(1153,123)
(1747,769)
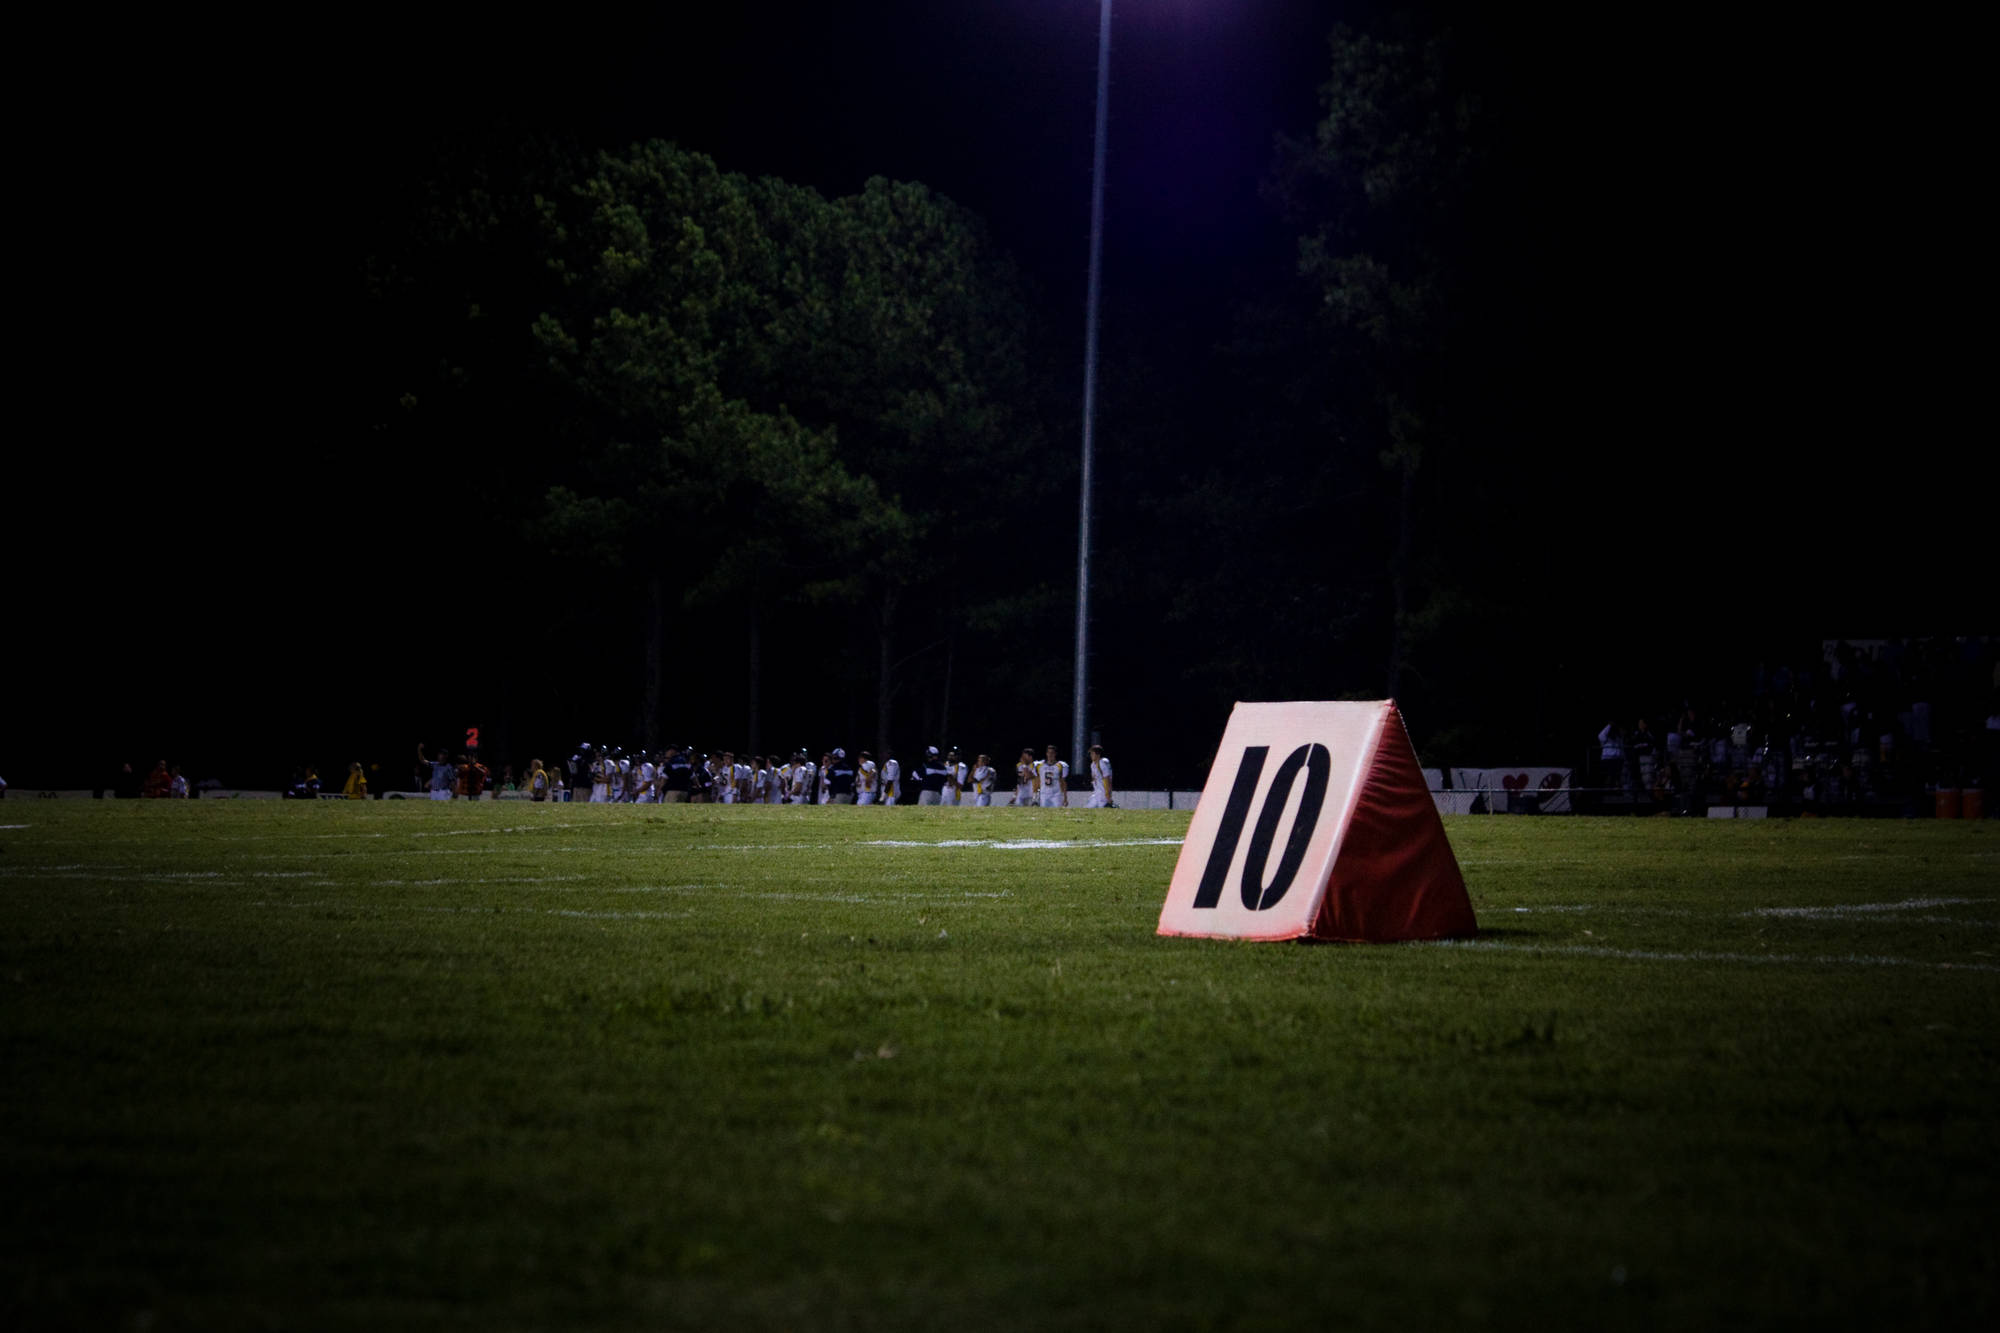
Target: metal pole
(1078,720)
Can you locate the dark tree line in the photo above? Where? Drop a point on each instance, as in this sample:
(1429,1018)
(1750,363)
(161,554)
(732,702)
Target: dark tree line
(574,438)
(769,457)
(771,464)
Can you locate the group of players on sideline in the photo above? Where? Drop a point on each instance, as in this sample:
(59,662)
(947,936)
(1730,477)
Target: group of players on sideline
(677,774)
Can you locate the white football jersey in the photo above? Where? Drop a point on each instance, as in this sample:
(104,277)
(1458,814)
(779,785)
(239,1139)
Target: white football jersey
(1100,782)
(1052,779)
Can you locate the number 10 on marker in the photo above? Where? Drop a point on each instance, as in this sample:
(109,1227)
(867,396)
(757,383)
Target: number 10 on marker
(1259,896)
(1317,821)
(1363,855)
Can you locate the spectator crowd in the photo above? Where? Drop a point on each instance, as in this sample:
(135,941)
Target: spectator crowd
(1857,727)
(1873,726)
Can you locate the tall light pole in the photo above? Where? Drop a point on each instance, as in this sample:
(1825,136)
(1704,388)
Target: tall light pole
(1078,736)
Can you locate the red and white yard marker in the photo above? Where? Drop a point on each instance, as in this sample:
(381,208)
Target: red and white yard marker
(1316,823)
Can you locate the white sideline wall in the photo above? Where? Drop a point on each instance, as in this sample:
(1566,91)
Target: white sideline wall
(1145,800)
(1125,800)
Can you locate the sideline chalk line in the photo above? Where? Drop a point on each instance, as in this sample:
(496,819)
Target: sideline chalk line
(1025,844)
(1864,909)
(1707,956)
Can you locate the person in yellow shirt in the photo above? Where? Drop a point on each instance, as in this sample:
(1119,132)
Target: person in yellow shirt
(357,783)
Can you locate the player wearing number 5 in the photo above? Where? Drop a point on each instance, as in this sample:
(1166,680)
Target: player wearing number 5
(1100,779)
(1052,780)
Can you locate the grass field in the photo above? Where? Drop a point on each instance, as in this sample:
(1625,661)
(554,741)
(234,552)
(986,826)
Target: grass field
(501,1066)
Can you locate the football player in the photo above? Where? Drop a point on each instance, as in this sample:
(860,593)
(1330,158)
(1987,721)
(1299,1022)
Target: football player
(1052,780)
(1100,779)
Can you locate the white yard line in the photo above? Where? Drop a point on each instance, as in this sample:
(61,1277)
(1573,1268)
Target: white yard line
(1026,844)
(660,888)
(962,897)
(67,868)
(282,837)
(1864,909)
(620,916)
(120,875)
(496,879)
(765,847)
(1708,956)
(448,909)
(470,832)
(784,896)
(348,833)
(1524,862)
(1626,909)
(994,844)
(391,851)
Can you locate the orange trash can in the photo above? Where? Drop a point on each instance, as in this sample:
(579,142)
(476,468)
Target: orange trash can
(1949,802)
(1972,804)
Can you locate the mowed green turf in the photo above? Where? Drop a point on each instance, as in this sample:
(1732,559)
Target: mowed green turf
(501,1066)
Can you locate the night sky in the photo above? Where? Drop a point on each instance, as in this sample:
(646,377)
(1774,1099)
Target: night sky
(1742,371)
